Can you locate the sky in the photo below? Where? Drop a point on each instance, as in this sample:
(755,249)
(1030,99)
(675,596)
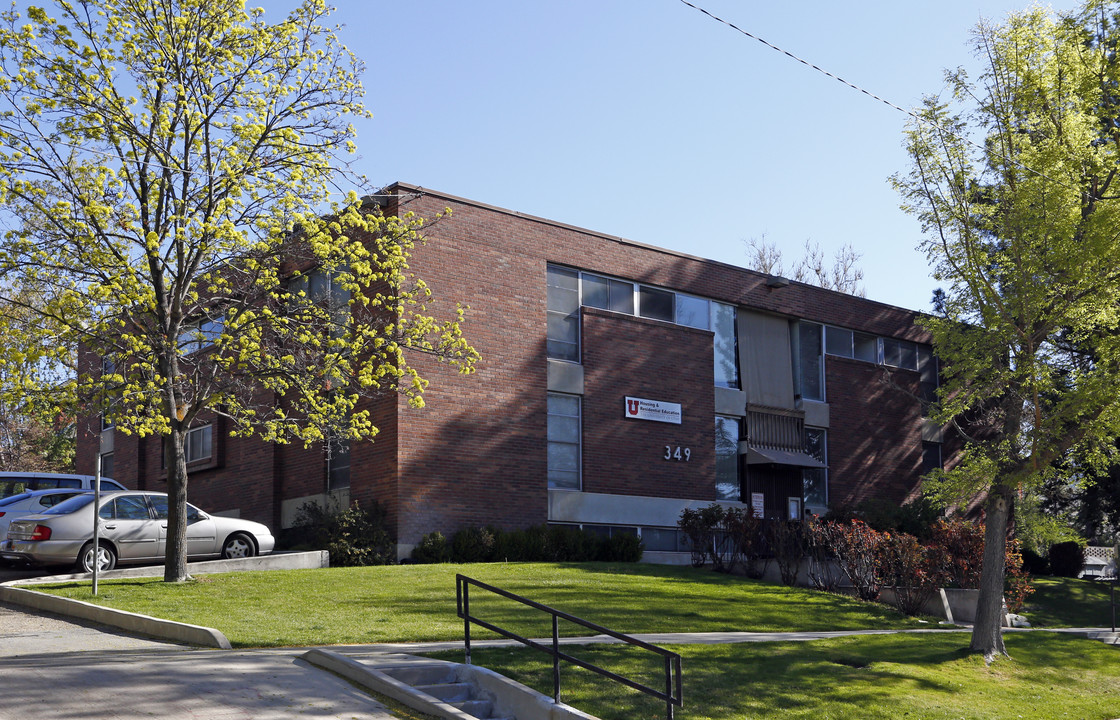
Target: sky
(651,121)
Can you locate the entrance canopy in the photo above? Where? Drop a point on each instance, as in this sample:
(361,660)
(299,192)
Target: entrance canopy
(767,456)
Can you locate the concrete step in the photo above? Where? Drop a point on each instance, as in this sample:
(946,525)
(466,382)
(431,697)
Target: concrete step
(422,674)
(452,692)
(479,708)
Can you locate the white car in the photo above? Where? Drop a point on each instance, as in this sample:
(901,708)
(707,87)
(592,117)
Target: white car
(133,530)
(31,502)
(14,483)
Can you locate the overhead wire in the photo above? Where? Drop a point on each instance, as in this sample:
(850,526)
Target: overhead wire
(853,86)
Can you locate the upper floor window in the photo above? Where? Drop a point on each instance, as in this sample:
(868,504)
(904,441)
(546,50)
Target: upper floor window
(810,361)
(726,346)
(564,441)
(200,334)
(563,313)
(569,289)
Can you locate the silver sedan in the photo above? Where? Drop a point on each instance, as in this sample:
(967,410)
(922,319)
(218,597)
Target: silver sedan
(133,530)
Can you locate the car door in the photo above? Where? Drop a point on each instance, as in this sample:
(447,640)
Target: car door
(201,534)
(129,525)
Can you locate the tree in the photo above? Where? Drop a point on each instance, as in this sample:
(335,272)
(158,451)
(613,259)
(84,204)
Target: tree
(845,274)
(169,169)
(1023,227)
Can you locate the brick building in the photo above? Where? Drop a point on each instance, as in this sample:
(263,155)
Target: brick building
(619,383)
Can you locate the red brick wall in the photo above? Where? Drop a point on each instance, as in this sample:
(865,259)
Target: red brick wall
(874,443)
(630,356)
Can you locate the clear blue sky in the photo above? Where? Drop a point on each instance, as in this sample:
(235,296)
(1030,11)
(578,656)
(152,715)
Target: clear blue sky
(651,121)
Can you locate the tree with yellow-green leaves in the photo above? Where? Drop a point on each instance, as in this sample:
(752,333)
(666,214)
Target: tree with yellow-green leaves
(1015,176)
(168,177)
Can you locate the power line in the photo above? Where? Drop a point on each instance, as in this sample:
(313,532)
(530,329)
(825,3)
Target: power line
(857,88)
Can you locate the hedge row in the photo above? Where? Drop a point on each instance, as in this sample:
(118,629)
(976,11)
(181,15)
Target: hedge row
(541,543)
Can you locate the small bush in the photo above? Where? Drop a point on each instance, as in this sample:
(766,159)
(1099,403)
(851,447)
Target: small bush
(354,536)
(622,547)
(1067,559)
(964,543)
(471,545)
(913,570)
(432,548)
(1034,563)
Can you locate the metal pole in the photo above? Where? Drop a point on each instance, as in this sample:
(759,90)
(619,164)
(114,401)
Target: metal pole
(556,659)
(96,521)
(467,619)
(1112,600)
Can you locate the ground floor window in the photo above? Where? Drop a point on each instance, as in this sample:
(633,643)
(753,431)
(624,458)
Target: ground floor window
(200,445)
(815,480)
(107,464)
(564,441)
(727,458)
(338,464)
(931,457)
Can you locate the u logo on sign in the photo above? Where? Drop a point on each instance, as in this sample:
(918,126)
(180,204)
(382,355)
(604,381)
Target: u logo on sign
(632,406)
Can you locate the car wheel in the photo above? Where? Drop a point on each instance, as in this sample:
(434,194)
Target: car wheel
(106,558)
(238,545)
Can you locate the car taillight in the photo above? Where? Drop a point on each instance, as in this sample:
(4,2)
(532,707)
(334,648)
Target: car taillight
(41,532)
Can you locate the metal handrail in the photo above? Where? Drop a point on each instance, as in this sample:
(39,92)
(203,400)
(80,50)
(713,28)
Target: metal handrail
(673,694)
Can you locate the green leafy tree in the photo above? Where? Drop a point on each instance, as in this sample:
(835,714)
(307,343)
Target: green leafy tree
(1014,179)
(170,171)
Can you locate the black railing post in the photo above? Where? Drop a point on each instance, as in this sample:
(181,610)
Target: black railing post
(556,659)
(669,687)
(467,618)
(1112,599)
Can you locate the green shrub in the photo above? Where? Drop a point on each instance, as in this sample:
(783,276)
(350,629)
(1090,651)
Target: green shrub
(471,545)
(354,536)
(432,548)
(1035,564)
(1067,558)
(540,543)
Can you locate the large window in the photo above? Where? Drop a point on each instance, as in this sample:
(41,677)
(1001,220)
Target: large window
(726,346)
(815,480)
(107,464)
(564,441)
(727,458)
(810,361)
(608,294)
(563,313)
(200,334)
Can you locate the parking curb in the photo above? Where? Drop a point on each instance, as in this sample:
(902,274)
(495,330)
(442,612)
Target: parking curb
(158,628)
(132,622)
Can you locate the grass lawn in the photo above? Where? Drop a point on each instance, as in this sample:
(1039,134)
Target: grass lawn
(404,603)
(917,677)
(1069,602)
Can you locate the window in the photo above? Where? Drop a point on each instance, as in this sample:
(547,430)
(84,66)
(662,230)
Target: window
(900,354)
(564,441)
(608,294)
(866,347)
(726,346)
(563,314)
(656,304)
(815,480)
(810,361)
(106,464)
(159,504)
(338,464)
(838,341)
(129,507)
(200,334)
(931,457)
(199,445)
(692,311)
(727,458)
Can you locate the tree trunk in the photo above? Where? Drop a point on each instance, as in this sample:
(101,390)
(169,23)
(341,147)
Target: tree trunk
(175,557)
(987,632)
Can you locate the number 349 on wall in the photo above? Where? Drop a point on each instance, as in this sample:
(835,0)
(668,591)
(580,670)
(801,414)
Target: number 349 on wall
(677,453)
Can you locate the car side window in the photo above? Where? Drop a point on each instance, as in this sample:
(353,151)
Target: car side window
(125,508)
(160,504)
(65,483)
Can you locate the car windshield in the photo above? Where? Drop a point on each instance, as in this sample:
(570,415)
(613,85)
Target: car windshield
(68,506)
(14,499)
